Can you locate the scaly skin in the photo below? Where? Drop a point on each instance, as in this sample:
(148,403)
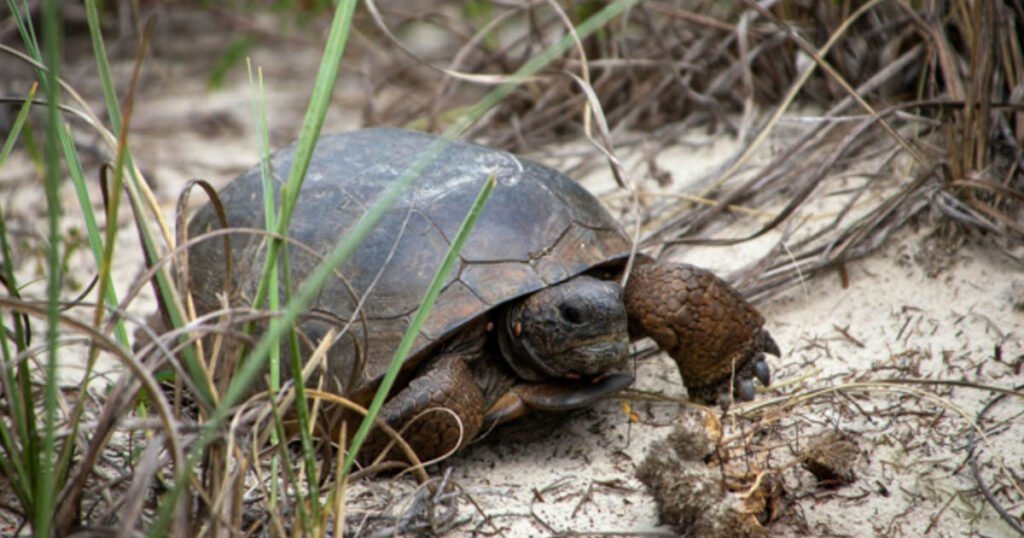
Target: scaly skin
(436,413)
(468,389)
(714,335)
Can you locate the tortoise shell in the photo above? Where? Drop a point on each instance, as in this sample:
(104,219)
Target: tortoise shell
(538,228)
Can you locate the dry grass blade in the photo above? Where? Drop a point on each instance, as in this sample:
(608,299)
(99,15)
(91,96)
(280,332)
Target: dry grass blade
(476,78)
(144,474)
(395,436)
(791,403)
(1014,522)
(181,273)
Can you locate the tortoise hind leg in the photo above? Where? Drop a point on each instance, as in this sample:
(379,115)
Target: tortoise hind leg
(438,412)
(715,336)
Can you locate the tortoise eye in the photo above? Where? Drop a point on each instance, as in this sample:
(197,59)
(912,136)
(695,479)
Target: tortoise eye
(570,313)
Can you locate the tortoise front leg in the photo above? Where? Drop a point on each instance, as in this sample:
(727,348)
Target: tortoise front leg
(436,413)
(523,398)
(715,336)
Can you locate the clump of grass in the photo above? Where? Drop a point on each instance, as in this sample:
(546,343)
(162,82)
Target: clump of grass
(202,438)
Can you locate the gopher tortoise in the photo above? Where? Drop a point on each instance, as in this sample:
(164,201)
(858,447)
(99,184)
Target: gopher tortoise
(532,317)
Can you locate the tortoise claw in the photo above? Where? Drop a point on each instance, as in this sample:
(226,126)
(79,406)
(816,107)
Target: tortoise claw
(745,390)
(768,345)
(724,399)
(761,371)
(739,387)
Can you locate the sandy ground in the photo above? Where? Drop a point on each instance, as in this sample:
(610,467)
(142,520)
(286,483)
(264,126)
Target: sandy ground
(921,307)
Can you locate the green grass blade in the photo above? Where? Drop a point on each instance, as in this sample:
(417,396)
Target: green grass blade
(421,316)
(99,51)
(323,88)
(14,465)
(45,481)
(12,138)
(274,304)
(91,227)
(269,214)
(15,131)
(28,33)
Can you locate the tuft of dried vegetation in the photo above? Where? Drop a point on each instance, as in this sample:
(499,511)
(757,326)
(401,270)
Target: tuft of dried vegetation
(935,89)
(691,488)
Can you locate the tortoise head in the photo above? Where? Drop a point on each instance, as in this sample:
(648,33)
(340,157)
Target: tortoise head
(574,329)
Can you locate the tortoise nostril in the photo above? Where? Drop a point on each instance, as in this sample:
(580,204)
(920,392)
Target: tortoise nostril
(570,313)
